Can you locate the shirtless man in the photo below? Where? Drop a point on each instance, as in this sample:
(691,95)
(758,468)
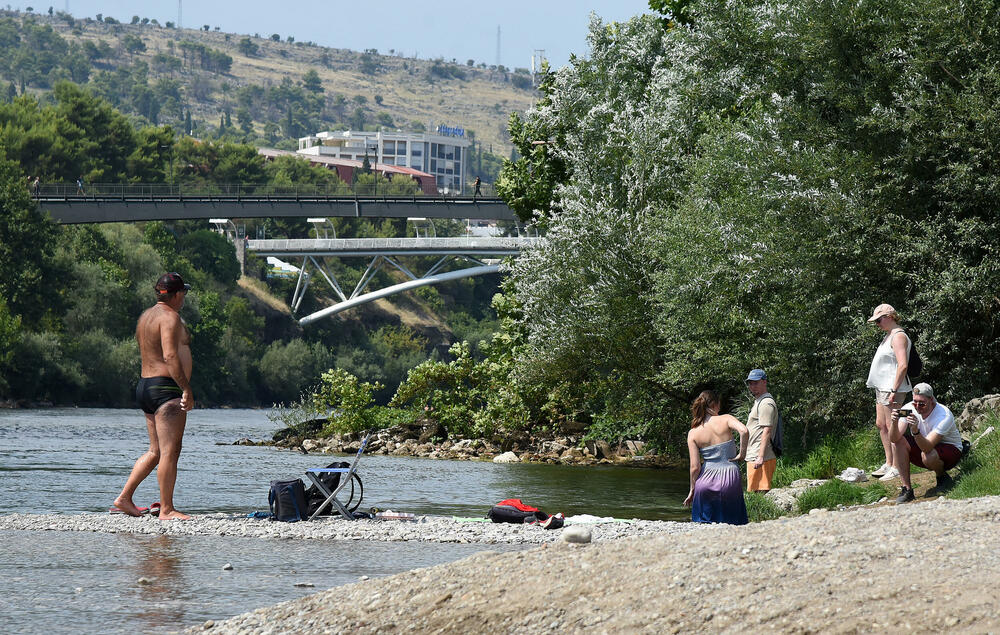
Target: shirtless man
(163,393)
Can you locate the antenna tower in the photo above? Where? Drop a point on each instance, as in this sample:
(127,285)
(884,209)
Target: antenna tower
(179,14)
(537,59)
(498,45)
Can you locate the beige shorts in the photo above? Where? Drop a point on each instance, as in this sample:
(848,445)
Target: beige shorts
(884,398)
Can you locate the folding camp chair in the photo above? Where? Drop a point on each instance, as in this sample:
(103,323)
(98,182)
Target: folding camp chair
(346,474)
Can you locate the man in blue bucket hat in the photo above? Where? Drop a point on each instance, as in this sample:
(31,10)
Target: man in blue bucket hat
(761,423)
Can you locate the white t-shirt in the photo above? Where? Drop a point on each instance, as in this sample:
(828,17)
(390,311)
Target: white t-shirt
(941,421)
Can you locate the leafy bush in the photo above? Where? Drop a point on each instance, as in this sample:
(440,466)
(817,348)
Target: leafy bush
(349,402)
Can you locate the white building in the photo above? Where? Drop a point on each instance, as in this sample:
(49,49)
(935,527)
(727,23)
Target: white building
(445,154)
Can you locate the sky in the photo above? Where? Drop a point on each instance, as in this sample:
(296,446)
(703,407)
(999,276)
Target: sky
(447,28)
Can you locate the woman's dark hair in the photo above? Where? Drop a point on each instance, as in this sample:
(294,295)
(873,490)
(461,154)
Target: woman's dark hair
(700,406)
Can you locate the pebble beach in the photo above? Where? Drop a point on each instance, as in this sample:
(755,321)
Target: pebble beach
(926,567)
(424,529)
(921,567)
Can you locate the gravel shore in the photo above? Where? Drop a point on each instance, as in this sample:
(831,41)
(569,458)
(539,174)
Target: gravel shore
(426,529)
(919,567)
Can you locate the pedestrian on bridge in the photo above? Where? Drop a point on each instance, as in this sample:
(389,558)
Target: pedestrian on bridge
(478,192)
(79,185)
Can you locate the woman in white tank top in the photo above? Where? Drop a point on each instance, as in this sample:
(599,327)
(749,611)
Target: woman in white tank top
(887,376)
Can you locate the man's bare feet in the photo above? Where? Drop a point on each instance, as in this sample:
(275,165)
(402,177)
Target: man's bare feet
(174,515)
(127,507)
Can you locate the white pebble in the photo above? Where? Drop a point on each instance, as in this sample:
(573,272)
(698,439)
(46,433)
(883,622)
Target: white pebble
(579,534)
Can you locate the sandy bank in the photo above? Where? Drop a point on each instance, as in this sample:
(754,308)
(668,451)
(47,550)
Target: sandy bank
(927,568)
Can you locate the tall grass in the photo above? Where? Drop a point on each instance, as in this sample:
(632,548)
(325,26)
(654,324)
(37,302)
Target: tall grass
(837,492)
(980,470)
(759,507)
(832,456)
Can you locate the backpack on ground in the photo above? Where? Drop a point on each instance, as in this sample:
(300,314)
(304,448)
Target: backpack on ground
(287,500)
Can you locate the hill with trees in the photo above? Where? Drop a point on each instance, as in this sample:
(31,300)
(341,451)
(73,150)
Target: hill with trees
(261,89)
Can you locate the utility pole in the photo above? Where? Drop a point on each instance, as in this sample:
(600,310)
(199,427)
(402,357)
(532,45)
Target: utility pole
(498,45)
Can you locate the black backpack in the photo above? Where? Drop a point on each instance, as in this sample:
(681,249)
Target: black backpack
(914,365)
(287,500)
(777,434)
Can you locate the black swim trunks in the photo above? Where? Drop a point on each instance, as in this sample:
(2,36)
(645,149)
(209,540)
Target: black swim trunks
(153,392)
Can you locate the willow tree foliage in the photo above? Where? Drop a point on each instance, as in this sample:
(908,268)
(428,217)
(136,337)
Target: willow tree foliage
(742,189)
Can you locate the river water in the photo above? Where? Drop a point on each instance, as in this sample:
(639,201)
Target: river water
(73,461)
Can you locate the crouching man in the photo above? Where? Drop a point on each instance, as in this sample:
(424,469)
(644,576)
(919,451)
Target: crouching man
(924,433)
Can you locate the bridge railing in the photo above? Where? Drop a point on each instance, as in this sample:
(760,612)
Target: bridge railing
(161,191)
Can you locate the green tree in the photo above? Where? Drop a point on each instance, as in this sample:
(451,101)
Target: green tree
(211,253)
(31,286)
(311,82)
(287,370)
(247,47)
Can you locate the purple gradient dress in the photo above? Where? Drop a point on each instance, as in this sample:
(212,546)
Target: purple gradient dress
(718,492)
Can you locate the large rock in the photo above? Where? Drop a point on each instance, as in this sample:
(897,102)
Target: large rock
(572,454)
(600,449)
(506,457)
(976,411)
(786,497)
(635,447)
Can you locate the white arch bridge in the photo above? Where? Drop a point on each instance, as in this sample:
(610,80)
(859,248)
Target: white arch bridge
(482,254)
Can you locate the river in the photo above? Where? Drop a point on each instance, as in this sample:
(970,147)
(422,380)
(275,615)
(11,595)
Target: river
(75,460)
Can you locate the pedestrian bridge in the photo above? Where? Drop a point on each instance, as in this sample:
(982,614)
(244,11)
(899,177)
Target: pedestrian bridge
(482,253)
(121,203)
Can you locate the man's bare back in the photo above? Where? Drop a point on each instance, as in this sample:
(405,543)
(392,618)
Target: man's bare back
(160,327)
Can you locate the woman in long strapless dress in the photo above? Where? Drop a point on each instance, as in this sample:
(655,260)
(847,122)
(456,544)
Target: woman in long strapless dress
(716,494)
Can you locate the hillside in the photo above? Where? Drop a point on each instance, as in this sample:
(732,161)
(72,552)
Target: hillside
(256,88)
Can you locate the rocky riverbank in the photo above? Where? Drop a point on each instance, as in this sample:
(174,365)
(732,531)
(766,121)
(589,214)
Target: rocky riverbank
(427,439)
(921,567)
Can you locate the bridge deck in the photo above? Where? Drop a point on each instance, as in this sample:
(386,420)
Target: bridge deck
(347,247)
(112,208)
